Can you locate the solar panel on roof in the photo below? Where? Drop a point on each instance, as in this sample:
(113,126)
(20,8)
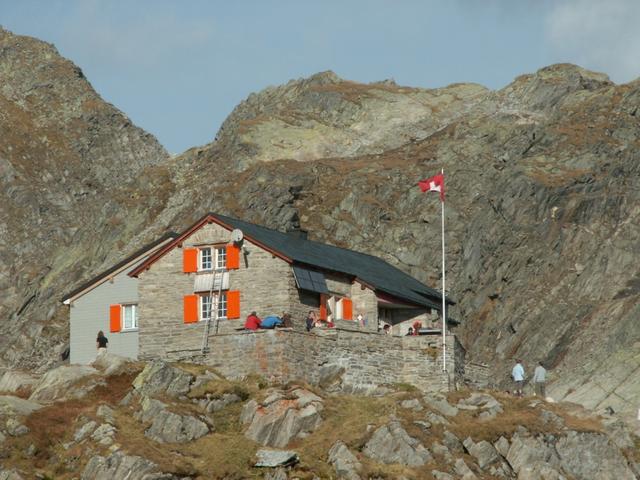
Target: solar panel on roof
(310,280)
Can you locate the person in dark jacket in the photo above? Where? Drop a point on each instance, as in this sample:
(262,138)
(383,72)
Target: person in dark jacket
(101,342)
(311,320)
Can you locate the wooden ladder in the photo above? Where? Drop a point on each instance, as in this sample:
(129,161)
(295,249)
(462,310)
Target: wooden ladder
(217,274)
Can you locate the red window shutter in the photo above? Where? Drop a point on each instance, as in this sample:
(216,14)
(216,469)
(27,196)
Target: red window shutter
(233,256)
(190,305)
(323,306)
(347,309)
(189,260)
(115,317)
(233,304)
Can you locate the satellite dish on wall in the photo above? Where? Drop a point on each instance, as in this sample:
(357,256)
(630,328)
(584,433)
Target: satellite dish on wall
(236,235)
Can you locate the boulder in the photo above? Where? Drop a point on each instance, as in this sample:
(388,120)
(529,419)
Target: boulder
(344,462)
(452,442)
(104,434)
(107,414)
(436,419)
(281,418)
(412,404)
(10,406)
(84,431)
(13,381)
(526,450)
(167,426)
(463,470)
(119,466)
(551,419)
(502,446)
(440,404)
(10,475)
(15,428)
(65,382)
(160,377)
(424,426)
(483,452)
(588,455)
(275,458)
(480,400)
(110,364)
(442,451)
(392,444)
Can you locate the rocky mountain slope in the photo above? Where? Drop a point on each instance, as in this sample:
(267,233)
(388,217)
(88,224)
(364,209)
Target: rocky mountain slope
(543,187)
(78,182)
(116,420)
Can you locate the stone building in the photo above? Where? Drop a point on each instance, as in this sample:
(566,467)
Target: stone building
(195,290)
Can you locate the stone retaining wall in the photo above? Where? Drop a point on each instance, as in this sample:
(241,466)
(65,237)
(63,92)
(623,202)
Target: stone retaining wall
(367,359)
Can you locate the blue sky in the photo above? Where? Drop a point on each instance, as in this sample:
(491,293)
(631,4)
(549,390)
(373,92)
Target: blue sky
(177,68)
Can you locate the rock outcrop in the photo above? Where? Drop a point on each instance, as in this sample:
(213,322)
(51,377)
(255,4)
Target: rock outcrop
(392,444)
(119,466)
(67,381)
(167,426)
(282,416)
(344,462)
(78,185)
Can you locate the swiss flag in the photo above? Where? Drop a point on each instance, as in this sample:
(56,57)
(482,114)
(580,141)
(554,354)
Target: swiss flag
(433,184)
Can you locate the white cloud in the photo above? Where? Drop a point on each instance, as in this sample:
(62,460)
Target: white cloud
(601,35)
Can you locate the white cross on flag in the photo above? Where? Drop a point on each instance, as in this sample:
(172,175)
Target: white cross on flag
(433,184)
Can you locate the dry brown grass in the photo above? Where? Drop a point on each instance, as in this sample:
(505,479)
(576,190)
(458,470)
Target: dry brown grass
(218,388)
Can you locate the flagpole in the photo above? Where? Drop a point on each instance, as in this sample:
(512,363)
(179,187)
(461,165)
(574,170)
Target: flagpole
(444,305)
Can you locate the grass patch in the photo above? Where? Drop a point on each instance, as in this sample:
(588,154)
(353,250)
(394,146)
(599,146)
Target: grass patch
(218,388)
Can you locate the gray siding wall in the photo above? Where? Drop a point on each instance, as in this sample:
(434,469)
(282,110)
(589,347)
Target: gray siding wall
(90,313)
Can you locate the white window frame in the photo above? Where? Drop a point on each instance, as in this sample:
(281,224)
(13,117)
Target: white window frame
(217,256)
(201,256)
(134,308)
(221,306)
(221,257)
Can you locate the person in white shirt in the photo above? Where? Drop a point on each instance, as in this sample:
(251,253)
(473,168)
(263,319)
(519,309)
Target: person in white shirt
(539,379)
(518,377)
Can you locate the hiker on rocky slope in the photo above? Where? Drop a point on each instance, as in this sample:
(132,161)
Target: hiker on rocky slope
(518,377)
(539,380)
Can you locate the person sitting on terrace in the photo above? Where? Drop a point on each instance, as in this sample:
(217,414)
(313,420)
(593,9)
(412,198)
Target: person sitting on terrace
(272,321)
(287,322)
(386,329)
(252,322)
(311,320)
(409,332)
(417,325)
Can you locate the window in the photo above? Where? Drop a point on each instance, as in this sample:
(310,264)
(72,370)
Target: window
(129,317)
(210,256)
(206,307)
(205,258)
(221,258)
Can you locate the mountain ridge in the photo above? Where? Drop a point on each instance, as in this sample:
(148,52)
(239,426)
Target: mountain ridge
(542,181)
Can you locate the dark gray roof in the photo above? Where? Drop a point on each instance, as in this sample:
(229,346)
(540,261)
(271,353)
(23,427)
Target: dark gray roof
(372,270)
